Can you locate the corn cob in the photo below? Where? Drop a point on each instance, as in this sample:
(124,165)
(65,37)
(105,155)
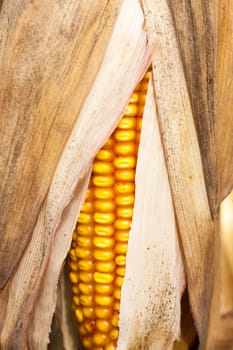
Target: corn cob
(99,246)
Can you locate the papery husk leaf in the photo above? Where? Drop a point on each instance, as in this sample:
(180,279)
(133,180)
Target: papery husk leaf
(224,97)
(46,300)
(50,52)
(154,280)
(195,28)
(96,121)
(185,171)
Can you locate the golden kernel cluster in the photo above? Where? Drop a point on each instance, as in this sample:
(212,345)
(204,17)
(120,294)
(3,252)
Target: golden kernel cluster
(98,252)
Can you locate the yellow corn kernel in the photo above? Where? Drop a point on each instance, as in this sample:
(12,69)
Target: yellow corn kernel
(120,271)
(134,97)
(124,187)
(142,98)
(103,242)
(86,288)
(103,325)
(73,265)
(109,143)
(126,199)
(104,205)
(114,334)
(85,218)
(100,338)
(103,300)
(83,253)
(104,193)
(122,236)
(79,314)
(104,218)
(115,319)
(122,224)
(76,300)
(75,289)
(89,194)
(125,135)
(85,230)
(84,242)
(89,325)
(144,86)
(104,288)
(85,265)
(103,312)
(87,342)
(104,181)
(72,255)
(102,168)
(118,281)
(125,148)
(116,306)
(103,255)
(131,110)
(127,123)
(82,330)
(103,278)
(105,155)
(117,293)
(88,207)
(147,76)
(73,277)
(105,266)
(110,346)
(121,248)
(125,162)
(88,312)
(125,175)
(124,212)
(85,277)
(86,300)
(104,230)
(120,261)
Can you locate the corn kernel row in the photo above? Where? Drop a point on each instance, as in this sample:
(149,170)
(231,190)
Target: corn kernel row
(98,253)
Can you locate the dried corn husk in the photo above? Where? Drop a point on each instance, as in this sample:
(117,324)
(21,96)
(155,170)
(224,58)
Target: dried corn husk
(185,169)
(46,53)
(224,137)
(195,30)
(154,279)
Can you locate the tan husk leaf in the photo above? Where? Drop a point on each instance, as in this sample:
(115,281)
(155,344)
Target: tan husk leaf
(195,31)
(224,97)
(185,171)
(46,300)
(154,280)
(50,52)
(126,60)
